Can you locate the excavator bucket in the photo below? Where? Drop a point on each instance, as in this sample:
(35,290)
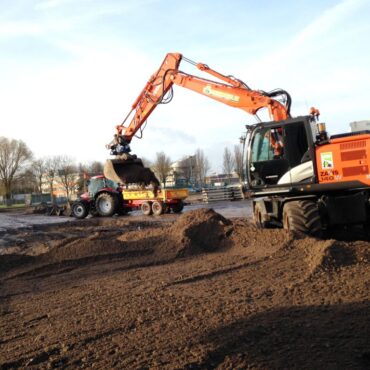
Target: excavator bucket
(130,171)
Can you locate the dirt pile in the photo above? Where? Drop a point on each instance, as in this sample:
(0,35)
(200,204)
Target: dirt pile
(198,231)
(331,254)
(197,292)
(136,243)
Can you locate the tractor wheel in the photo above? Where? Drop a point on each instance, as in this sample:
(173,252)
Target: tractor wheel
(157,208)
(106,204)
(258,217)
(146,208)
(178,207)
(80,210)
(302,216)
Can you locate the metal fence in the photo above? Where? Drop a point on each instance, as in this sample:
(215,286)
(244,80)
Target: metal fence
(222,193)
(11,202)
(32,200)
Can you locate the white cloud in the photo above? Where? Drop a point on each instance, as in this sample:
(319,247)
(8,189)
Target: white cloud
(12,29)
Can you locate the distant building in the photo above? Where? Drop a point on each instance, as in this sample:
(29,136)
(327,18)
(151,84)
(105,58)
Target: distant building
(182,172)
(360,125)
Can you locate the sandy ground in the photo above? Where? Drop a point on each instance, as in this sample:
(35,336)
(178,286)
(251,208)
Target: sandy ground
(195,291)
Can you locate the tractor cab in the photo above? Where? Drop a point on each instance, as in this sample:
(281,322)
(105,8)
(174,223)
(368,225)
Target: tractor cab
(98,183)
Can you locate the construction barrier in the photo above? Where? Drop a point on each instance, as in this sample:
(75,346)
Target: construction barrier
(222,193)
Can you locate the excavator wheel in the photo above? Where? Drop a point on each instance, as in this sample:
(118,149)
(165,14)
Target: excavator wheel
(106,204)
(258,217)
(302,216)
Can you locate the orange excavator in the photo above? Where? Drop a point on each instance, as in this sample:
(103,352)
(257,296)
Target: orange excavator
(299,177)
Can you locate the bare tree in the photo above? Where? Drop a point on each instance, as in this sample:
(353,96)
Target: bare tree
(187,169)
(202,166)
(68,175)
(52,164)
(95,168)
(14,155)
(239,162)
(38,168)
(228,162)
(162,166)
(26,182)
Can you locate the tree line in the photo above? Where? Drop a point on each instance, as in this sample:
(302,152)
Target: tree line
(21,172)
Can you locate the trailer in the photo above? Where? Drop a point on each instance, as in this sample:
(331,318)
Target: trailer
(165,201)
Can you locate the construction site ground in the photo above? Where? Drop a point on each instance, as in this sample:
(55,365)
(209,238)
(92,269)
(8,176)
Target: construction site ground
(200,290)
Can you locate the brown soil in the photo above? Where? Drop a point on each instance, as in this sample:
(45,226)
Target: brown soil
(201,292)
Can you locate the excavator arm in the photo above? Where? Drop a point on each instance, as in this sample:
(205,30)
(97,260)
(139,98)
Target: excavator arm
(231,91)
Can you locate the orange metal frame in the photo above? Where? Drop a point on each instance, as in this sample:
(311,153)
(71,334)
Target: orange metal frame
(344,159)
(230,92)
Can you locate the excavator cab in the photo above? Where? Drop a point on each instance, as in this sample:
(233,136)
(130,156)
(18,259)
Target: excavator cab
(280,153)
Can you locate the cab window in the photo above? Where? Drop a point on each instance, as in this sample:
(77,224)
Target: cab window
(267,145)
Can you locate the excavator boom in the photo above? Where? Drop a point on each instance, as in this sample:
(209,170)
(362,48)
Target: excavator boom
(231,91)
(158,90)
(152,95)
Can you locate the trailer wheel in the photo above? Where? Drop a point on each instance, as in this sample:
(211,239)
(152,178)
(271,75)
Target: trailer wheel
(302,216)
(80,210)
(157,208)
(146,208)
(106,204)
(258,217)
(178,207)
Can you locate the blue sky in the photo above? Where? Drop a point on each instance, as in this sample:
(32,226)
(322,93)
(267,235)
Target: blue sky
(70,69)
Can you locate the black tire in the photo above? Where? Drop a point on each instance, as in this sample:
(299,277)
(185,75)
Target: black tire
(80,210)
(302,216)
(146,208)
(258,217)
(178,207)
(157,208)
(106,204)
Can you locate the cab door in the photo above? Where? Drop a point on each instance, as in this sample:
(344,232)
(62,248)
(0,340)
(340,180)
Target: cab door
(281,153)
(266,160)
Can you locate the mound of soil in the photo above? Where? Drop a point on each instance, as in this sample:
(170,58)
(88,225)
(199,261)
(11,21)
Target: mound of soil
(331,254)
(200,292)
(198,231)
